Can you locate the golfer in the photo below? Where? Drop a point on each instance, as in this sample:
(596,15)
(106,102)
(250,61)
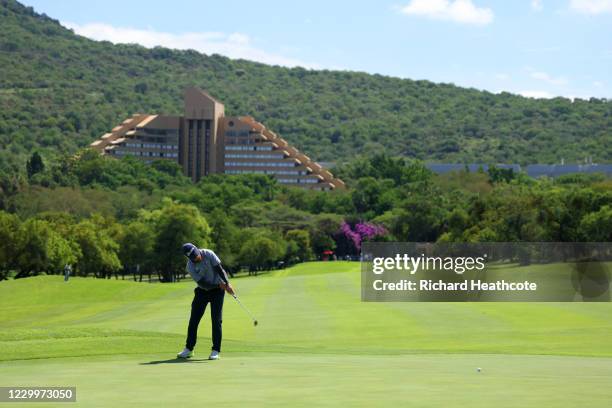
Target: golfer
(205,268)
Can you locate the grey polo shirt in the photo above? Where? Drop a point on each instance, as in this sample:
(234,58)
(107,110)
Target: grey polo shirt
(204,269)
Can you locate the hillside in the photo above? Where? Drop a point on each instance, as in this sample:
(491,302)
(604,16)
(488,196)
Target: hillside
(60,91)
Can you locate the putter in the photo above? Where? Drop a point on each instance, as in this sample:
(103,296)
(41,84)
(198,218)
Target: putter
(246,310)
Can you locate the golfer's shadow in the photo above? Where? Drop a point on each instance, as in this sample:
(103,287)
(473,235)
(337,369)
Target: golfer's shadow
(177,360)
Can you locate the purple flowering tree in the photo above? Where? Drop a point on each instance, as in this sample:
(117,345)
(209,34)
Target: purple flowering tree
(368,231)
(363,231)
(351,235)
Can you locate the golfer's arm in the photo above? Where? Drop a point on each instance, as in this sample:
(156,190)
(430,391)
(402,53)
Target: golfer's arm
(221,272)
(200,281)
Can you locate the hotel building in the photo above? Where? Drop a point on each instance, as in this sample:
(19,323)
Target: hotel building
(204,141)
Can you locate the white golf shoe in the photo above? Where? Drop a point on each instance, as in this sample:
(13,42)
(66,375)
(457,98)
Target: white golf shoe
(214,355)
(186,353)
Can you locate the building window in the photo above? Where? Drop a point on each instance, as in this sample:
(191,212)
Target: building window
(253,156)
(260,164)
(249,148)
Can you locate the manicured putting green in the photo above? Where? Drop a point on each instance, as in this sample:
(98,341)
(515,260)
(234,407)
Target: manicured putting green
(256,379)
(316,343)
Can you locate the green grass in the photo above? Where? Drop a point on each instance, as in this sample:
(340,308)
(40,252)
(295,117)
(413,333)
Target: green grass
(316,344)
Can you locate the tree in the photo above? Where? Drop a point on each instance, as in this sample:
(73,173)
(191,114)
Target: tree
(366,194)
(10,242)
(224,236)
(419,217)
(99,250)
(42,249)
(322,231)
(176,224)
(498,175)
(298,245)
(597,226)
(169,167)
(141,88)
(260,252)
(34,165)
(136,246)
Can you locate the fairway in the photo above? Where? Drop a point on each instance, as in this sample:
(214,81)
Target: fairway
(316,343)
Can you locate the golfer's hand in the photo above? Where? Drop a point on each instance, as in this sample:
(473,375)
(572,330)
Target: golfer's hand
(227,287)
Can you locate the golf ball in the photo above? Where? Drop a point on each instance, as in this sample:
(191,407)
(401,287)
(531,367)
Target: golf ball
(478,369)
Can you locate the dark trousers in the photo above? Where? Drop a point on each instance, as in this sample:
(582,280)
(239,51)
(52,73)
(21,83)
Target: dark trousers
(198,306)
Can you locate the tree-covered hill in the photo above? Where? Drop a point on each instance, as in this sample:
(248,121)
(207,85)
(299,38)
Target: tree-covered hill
(60,91)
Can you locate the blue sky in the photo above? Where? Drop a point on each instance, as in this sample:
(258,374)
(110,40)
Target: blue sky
(537,48)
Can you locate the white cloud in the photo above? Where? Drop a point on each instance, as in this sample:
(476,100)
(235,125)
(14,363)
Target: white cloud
(536,94)
(460,11)
(545,77)
(591,6)
(502,76)
(234,45)
(536,5)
